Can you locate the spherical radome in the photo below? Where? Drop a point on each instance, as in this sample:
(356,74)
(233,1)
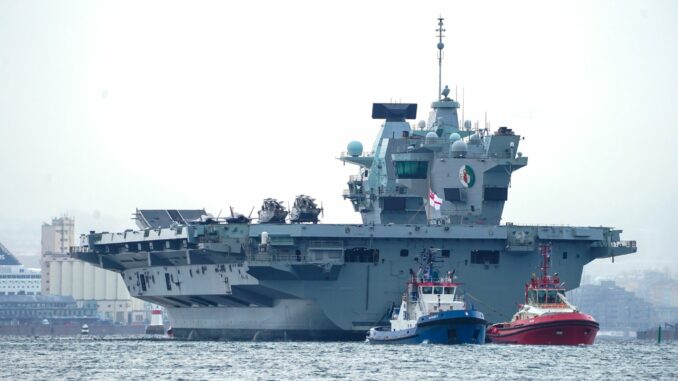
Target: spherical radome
(354,148)
(459,148)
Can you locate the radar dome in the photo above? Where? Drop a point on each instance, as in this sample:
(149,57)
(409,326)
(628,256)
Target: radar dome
(454,137)
(431,137)
(459,149)
(355,148)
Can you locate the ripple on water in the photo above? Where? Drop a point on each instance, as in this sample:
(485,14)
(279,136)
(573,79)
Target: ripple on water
(123,358)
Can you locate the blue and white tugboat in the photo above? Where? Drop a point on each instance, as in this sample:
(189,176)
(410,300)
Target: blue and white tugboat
(431,312)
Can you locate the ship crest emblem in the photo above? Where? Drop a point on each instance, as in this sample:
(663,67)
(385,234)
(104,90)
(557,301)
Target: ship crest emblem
(466,176)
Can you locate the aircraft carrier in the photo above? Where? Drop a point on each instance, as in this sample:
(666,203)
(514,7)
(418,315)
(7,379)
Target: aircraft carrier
(440,183)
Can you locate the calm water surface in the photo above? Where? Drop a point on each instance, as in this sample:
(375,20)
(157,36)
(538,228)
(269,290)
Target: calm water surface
(23,358)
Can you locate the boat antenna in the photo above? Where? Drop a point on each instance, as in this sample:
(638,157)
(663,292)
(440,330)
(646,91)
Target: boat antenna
(545,252)
(440,31)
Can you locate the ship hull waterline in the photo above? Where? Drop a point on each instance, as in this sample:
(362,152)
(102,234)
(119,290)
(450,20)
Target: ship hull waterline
(293,320)
(451,327)
(561,329)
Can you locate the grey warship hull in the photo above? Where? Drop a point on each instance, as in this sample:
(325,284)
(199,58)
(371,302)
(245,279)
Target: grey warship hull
(328,282)
(439,183)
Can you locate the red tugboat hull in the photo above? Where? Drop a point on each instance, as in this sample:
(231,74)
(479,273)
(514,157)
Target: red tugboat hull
(570,328)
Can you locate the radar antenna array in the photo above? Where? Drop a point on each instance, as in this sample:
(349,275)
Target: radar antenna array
(440,31)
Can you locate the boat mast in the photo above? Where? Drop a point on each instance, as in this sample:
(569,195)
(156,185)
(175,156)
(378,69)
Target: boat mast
(428,257)
(545,251)
(440,31)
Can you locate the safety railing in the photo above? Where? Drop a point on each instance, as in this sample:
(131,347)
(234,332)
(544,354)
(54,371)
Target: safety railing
(630,244)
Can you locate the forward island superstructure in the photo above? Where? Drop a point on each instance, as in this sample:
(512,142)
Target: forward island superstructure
(437,184)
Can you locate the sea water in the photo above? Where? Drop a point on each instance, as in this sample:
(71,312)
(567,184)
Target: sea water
(91,358)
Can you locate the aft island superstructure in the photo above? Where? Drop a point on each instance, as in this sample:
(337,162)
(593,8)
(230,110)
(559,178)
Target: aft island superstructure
(437,184)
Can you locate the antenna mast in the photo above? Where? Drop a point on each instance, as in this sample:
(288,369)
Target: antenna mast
(545,251)
(440,31)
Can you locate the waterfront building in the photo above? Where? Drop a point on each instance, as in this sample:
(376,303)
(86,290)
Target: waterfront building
(667,315)
(15,279)
(659,288)
(615,308)
(26,309)
(58,236)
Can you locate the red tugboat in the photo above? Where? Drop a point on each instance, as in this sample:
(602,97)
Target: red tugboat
(546,318)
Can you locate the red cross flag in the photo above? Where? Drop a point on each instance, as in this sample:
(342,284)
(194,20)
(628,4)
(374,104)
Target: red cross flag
(434,200)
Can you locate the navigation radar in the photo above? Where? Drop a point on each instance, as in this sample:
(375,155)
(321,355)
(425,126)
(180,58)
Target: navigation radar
(446,92)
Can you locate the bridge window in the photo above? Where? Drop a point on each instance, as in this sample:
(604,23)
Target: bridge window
(532,297)
(438,290)
(496,194)
(564,254)
(449,290)
(552,297)
(488,257)
(445,253)
(394,203)
(426,290)
(411,169)
(404,253)
(454,194)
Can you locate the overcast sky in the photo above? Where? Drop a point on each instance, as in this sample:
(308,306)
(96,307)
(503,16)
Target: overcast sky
(110,106)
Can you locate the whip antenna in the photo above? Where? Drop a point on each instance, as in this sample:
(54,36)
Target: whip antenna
(440,31)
